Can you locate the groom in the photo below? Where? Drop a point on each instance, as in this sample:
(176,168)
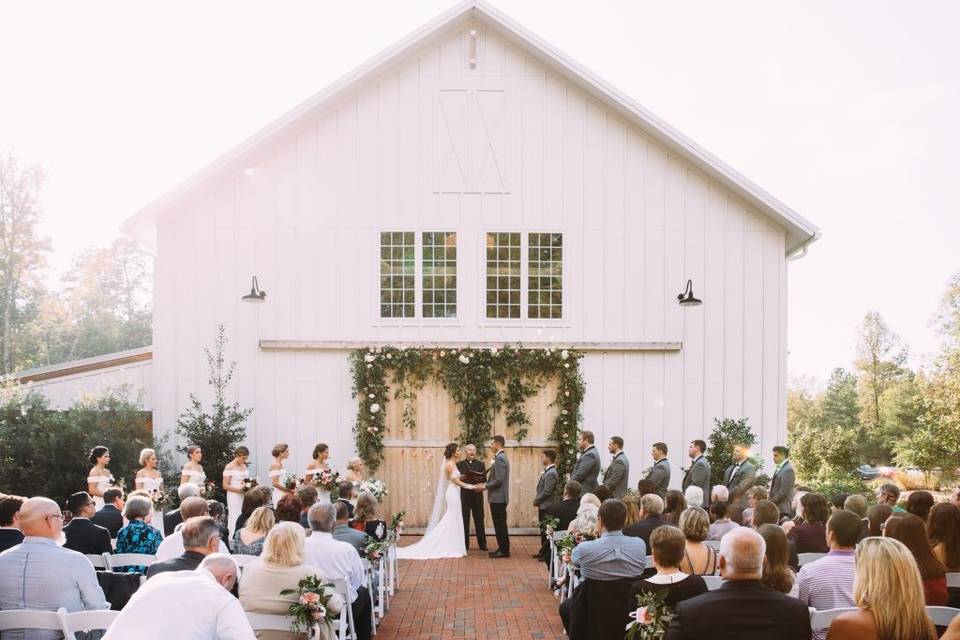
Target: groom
(498,493)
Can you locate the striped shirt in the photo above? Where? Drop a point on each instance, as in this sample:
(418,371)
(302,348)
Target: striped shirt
(612,556)
(827,583)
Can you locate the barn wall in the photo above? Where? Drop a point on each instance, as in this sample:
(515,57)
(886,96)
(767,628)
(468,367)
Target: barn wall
(62,392)
(637,221)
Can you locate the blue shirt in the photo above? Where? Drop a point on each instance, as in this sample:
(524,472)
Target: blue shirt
(612,556)
(39,574)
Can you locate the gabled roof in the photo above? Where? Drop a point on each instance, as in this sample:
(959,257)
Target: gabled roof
(800,232)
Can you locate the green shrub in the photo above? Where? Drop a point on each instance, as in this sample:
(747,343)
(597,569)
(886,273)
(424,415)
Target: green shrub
(727,433)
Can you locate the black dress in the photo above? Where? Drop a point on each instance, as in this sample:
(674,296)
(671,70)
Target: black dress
(676,592)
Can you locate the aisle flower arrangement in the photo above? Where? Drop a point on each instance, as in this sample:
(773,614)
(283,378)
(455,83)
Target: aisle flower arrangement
(652,617)
(312,605)
(376,488)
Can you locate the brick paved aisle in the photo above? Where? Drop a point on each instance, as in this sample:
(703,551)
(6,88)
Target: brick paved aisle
(474,598)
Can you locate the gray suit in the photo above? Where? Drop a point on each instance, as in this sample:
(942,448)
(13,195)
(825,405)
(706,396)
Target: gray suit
(618,475)
(498,494)
(781,488)
(547,488)
(698,475)
(739,480)
(587,469)
(660,476)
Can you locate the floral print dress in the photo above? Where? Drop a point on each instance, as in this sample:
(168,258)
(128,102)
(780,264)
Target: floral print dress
(138,537)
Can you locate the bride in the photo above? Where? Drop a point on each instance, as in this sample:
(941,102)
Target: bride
(444,536)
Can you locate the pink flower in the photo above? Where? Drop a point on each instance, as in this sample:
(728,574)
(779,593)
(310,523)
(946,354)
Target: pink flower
(310,598)
(642,616)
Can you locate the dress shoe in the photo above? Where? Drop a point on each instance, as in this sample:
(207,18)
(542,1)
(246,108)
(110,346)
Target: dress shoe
(538,556)
(499,554)
(483,548)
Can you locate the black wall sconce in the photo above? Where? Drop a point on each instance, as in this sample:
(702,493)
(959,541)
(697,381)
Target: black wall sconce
(687,299)
(256,293)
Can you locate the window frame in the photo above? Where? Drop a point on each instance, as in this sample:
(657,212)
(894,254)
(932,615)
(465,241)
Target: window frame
(524,319)
(418,318)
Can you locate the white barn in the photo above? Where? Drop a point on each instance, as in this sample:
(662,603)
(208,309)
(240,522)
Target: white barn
(474,133)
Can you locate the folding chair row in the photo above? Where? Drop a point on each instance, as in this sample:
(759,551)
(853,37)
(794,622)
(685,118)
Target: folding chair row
(66,623)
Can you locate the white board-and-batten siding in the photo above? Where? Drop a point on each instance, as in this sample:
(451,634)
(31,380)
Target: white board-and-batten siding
(534,153)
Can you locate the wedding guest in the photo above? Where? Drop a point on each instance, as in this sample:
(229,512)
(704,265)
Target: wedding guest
(277,473)
(338,561)
(192,471)
(281,566)
(343,532)
(742,608)
(675,504)
(616,477)
(943,529)
(694,497)
(651,517)
(796,509)
(811,535)
(877,516)
(645,486)
(889,494)
(235,474)
(719,513)
(585,524)
(354,471)
(173,518)
(602,493)
(837,501)
(320,454)
(289,509)
(366,517)
(659,474)
(248,541)
(955,497)
(754,495)
(99,479)
(587,468)
(39,574)
(857,505)
(667,546)
(196,602)
(719,493)
(827,583)
(173,545)
(765,513)
(698,558)
(777,573)
(138,536)
(919,504)
(632,503)
(888,595)
(82,535)
(345,494)
(253,499)
(198,537)
(307,494)
(698,475)
(218,511)
(110,517)
(565,511)
(10,533)
(911,531)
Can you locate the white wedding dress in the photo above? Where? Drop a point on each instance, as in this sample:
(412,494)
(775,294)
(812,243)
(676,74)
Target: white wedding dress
(444,538)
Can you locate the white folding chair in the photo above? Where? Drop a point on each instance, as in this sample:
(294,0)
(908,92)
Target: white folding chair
(807,558)
(381,598)
(345,627)
(87,620)
(953,579)
(273,622)
(556,565)
(648,562)
(942,616)
(820,620)
(243,560)
(713,582)
(99,560)
(33,620)
(368,579)
(394,565)
(118,560)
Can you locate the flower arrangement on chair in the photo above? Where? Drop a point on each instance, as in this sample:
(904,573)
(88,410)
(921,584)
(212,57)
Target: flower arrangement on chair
(312,605)
(652,617)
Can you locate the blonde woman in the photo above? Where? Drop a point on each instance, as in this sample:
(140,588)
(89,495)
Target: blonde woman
(281,566)
(355,471)
(192,471)
(248,540)
(149,479)
(99,479)
(889,596)
(586,523)
(280,453)
(698,558)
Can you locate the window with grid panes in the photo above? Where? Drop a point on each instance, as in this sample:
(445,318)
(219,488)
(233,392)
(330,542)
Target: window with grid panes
(545,275)
(503,275)
(439,274)
(397,274)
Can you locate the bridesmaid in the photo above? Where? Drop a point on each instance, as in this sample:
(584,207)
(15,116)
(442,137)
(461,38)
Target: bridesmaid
(150,480)
(192,471)
(280,453)
(233,476)
(320,454)
(99,479)
(355,471)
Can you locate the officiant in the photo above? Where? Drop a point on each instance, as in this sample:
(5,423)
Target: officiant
(472,471)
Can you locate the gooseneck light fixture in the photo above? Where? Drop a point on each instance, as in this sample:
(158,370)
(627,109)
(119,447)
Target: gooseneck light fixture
(687,299)
(256,293)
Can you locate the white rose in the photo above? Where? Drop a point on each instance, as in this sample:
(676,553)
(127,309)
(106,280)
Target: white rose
(369,357)
(564,354)
(566,365)
(374,408)
(464,359)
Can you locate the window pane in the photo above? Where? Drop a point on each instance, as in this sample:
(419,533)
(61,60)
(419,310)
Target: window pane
(545,284)
(503,275)
(396,286)
(440,286)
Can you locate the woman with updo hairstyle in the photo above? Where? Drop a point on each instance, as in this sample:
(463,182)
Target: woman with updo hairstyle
(99,479)
(192,471)
(234,475)
(150,480)
(277,473)
(320,454)
(355,470)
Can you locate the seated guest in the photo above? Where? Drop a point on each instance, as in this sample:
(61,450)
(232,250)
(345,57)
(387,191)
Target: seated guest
(345,493)
(173,518)
(281,566)
(248,540)
(943,529)
(138,536)
(674,505)
(888,594)
(810,536)
(10,534)
(645,486)
(585,524)
(698,558)
(877,516)
(566,510)
(768,513)
(343,532)
(777,574)
(218,511)
(172,546)
(889,494)
(186,604)
(289,508)
(39,574)
(797,506)
(259,496)
(82,535)
(919,504)
(754,495)
(837,501)
(366,517)
(694,496)
(668,545)
(308,496)
(857,505)
(651,510)
(603,493)
(632,503)
(110,516)
(337,560)
(719,493)
(827,583)
(742,608)
(721,522)
(910,530)
(200,537)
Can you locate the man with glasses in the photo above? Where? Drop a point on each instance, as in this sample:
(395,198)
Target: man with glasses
(889,494)
(82,535)
(40,574)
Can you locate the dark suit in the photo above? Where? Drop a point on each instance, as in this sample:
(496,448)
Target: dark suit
(189,561)
(782,488)
(738,479)
(349,509)
(586,469)
(10,538)
(170,521)
(659,475)
(85,537)
(698,475)
(471,502)
(546,496)
(617,476)
(644,528)
(741,610)
(566,512)
(111,519)
(498,495)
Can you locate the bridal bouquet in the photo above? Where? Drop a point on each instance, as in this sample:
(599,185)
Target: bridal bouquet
(652,617)
(312,605)
(159,498)
(209,490)
(376,488)
(250,483)
(327,479)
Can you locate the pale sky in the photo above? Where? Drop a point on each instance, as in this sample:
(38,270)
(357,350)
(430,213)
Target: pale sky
(846,111)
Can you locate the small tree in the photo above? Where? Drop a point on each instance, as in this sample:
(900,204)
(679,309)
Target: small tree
(221,430)
(727,433)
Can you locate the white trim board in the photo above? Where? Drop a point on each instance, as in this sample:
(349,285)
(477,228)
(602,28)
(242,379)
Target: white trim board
(349,345)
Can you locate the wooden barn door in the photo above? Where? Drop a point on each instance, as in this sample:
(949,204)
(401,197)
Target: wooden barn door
(412,456)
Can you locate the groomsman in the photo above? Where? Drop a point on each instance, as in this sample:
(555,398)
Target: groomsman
(618,473)
(546,494)
(740,476)
(659,473)
(588,464)
(698,474)
(471,500)
(782,483)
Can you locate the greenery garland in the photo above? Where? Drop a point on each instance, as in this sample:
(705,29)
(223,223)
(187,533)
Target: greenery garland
(480,381)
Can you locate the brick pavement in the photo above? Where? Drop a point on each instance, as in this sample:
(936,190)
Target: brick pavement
(474,598)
